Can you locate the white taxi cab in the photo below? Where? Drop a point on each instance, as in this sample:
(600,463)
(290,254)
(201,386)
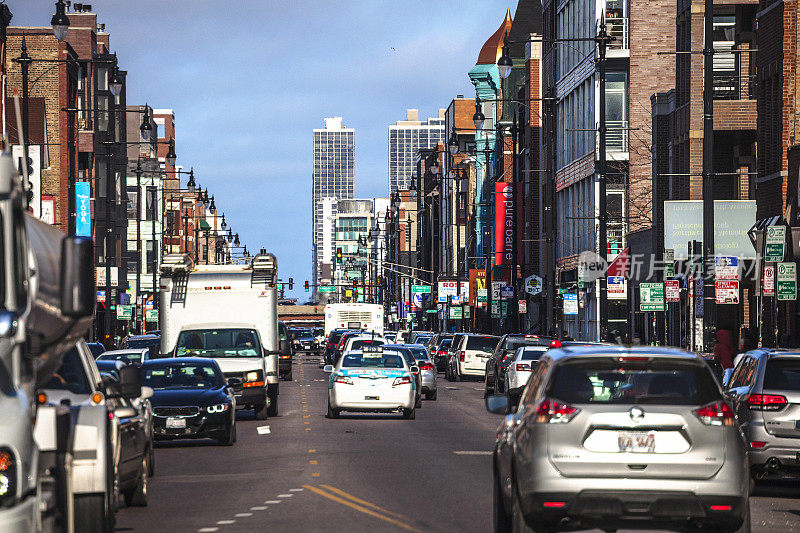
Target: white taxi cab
(370,381)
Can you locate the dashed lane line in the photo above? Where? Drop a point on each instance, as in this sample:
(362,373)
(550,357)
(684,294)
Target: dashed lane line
(259,508)
(473,452)
(243,515)
(225,522)
(272,502)
(296,490)
(207,529)
(285,495)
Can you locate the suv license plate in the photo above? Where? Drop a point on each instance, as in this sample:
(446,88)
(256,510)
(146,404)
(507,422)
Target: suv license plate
(176,422)
(372,397)
(636,441)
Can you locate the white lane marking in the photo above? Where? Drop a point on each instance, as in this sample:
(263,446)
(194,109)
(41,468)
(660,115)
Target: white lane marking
(473,452)
(226,522)
(207,529)
(295,490)
(243,515)
(263,430)
(258,508)
(478,388)
(452,388)
(270,502)
(285,495)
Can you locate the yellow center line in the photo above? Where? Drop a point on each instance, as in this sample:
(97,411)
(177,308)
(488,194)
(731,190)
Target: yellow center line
(312,450)
(364,502)
(312,462)
(360,508)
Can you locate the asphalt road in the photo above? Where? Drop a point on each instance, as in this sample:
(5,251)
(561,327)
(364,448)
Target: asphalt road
(302,472)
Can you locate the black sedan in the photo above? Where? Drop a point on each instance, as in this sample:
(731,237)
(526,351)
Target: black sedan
(190,399)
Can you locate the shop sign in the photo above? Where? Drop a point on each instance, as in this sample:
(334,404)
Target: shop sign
(83,209)
(503,223)
(617,288)
(533,284)
(727,292)
(448,288)
(651,297)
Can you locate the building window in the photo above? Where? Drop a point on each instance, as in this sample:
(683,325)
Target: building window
(149,256)
(102,113)
(133,198)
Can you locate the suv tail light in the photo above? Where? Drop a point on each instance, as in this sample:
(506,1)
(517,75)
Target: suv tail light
(426,366)
(441,352)
(522,367)
(343,379)
(402,380)
(766,402)
(461,356)
(715,414)
(554,412)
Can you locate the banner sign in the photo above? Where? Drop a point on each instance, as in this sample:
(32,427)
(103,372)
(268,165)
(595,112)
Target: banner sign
(787,281)
(503,223)
(727,292)
(448,288)
(570,303)
(617,288)
(83,209)
(775,244)
(726,267)
(651,297)
(477,282)
(673,290)
(769,281)
(683,223)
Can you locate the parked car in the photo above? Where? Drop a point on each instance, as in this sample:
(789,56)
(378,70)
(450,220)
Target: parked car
(496,365)
(191,399)
(143,341)
(468,355)
(612,437)
(440,354)
(132,356)
(427,370)
(96,348)
(765,392)
(331,344)
(519,369)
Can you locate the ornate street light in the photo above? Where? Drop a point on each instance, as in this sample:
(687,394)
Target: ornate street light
(115,85)
(212,207)
(435,167)
(191,184)
(504,64)
(224,224)
(60,21)
(236,240)
(146,128)
(171,157)
(453,144)
(205,198)
(478,118)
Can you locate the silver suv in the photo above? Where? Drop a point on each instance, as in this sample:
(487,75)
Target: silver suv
(613,437)
(765,391)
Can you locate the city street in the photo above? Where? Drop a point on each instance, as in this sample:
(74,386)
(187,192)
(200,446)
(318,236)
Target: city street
(358,473)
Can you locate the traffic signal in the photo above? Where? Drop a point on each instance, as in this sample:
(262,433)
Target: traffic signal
(291,283)
(338,255)
(306,285)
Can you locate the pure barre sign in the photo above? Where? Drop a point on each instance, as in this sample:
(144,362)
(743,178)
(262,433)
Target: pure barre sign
(504,210)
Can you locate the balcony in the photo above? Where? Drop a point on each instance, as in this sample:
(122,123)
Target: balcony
(616,136)
(618,27)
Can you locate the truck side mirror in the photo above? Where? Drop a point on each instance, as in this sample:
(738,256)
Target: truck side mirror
(130,382)
(78,292)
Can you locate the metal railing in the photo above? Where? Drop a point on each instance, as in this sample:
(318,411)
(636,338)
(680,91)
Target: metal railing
(618,27)
(616,136)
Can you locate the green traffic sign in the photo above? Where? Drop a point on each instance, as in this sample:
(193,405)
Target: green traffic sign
(124,312)
(455,312)
(151,315)
(280,286)
(432,311)
(787,281)
(327,288)
(424,289)
(651,297)
(775,244)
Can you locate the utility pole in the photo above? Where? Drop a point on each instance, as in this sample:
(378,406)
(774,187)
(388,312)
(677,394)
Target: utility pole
(709,316)
(602,296)
(139,259)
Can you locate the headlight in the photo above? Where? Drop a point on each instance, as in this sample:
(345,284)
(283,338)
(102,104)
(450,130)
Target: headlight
(8,476)
(251,376)
(220,408)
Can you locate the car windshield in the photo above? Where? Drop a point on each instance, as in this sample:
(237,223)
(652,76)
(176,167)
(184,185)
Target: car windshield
(782,374)
(360,343)
(125,357)
(532,353)
(304,334)
(607,381)
(373,360)
(96,348)
(483,343)
(218,343)
(142,343)
(70,376)
(182,376)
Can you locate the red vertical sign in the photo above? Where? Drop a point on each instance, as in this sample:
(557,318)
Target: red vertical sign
(503,223)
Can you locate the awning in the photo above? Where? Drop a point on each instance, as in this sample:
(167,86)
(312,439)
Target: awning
(204,224)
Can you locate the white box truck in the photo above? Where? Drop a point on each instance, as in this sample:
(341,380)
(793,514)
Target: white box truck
(228,313)
(368,317)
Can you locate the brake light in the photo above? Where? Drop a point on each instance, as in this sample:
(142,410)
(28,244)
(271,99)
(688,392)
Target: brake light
(441,352)
(461,356)
(402,380)
(554,504)
(555,343)
(522,367)
(554,412)
(633,359)
(715,414)
(720,507)
(758,444)
(343,379)
(426,366)
(766,402)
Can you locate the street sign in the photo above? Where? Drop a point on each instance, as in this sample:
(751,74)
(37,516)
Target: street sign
(467,311)
(348,293)
(523,306)
(562,292)
(787,281)
(432,311)
(673,290)
(699,299)
(482,295)
(570,303)
(533,284)
(507,291)
(769,281)
(327,288)
(421,288)
(726,267)
(124,312)
(455,313)
(495,309)
(354,274)
(582,299)
(496,287)
(101,296)
(651,297)
(669,262)
(727,292)
(775,245)
(151,315)
(617,288)
(280,286)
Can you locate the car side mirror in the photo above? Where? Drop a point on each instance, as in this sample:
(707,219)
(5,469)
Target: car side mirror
(414,369)
(78,291)
(8,324)
(498,404)
(234,382)
(328,369)
(726,376)
(130,382)
(125,412)
(147,392)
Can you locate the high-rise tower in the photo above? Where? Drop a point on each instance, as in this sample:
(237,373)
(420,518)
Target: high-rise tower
(405,138)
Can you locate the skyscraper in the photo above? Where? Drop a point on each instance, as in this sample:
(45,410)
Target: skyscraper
(405,138)
(333,178)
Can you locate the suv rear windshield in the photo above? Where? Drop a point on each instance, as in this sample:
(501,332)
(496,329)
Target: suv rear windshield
(142,343)
(532,353)
(358,344)
(484,343)
(782,374)
(218,343)
(606,381)
(445,344)
(70,376)
(512,343)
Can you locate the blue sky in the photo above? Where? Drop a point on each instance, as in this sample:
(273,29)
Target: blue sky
(249,80)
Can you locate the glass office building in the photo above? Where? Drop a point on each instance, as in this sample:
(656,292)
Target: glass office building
(406,137)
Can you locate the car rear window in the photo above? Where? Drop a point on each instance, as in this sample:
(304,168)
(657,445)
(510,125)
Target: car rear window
(533,353)
(419,353)
(445,344)
(512,343)
(658,381)
(782,374)
(358,344)
(373,360)
(484,343)
(70,376)
(335,336)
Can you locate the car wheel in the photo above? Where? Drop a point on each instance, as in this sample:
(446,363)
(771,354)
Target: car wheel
(332,413)
(229,437)
(91,513)
(151,464)
(137,496)
(409,414)
(431,395)
(457,375)
(501,520)
(261,411)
